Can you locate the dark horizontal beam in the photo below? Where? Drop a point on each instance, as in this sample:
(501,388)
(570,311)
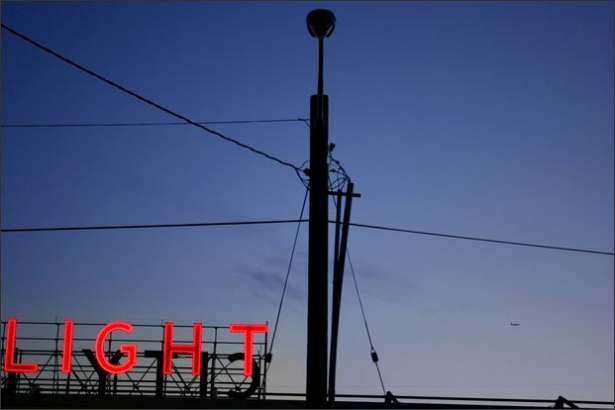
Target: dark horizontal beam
(340,193)
(449,398)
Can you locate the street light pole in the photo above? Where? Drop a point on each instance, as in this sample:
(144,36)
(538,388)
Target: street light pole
(320,25)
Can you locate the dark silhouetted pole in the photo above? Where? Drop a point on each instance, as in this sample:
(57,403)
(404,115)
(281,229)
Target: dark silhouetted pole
(338,280)
(320,25)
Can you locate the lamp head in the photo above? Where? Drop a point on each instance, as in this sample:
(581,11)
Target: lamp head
(320,23)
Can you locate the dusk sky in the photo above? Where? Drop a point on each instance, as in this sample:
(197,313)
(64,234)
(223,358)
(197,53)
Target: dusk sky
(491,119)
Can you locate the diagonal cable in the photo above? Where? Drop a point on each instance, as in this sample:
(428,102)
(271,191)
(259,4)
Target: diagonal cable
(373,353)
(288,270)
(147,100)
(369,336)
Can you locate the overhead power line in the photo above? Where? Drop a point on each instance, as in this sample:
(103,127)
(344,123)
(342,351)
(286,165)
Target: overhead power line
(474,238)
(143,124)
(147,100)
(185,225)
(282,221)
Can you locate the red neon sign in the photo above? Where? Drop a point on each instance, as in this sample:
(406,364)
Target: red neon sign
(248,329)
(130,350)
(67,358)
(194,348)
(9,358)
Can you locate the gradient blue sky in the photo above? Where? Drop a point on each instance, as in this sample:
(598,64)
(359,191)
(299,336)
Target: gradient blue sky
(488,119)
